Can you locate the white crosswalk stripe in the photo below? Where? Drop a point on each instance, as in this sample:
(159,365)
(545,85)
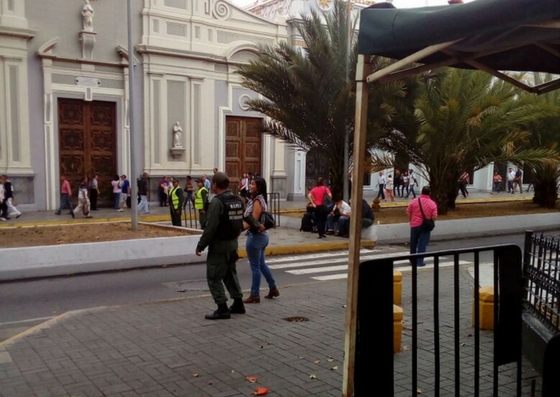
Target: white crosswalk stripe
(317,266)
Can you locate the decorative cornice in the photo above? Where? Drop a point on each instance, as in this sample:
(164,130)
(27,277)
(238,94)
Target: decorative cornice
(17,32)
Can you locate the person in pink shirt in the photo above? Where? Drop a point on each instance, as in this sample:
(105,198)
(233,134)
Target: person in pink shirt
(65,196)
(419,236)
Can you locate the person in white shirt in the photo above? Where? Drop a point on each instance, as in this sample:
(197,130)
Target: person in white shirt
(389,187)
(83,199)
(381,183)
(339,219)
(510,178)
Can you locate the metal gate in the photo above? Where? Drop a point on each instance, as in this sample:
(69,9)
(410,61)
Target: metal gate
(449,354)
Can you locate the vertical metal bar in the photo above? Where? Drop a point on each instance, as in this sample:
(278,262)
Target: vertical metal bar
(415,328)
(347,132)
(476,304)
(132,139)
(456,325)
(437,360)
(360,131)
(374,339)
(495,364)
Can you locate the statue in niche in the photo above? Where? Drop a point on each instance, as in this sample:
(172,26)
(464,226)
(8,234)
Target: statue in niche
(177,135)
(87,16)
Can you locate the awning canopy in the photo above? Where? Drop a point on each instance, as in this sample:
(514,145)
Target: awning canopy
(490,35)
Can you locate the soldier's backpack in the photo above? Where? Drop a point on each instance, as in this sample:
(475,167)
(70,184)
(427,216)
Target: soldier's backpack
(306,222)
(231,218)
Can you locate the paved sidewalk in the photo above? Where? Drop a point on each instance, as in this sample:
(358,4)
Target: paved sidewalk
(168,349)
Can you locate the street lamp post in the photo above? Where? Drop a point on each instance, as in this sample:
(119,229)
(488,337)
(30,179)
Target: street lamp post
(346,133)
(131,137)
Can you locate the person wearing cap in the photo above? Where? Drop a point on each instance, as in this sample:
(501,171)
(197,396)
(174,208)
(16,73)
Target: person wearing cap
(175,202)
(201,202)
(224,223)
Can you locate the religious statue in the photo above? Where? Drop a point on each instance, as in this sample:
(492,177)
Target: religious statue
(177,135)
(87,16)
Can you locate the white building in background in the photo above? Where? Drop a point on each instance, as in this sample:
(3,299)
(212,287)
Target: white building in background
(64,70)
(64,104)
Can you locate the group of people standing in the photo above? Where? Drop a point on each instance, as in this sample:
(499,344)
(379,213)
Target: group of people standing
(227,216)
(401,185)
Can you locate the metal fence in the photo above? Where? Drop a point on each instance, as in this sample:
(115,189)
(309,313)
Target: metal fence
(191,216)
(541,267)
(446,354)
(541,324)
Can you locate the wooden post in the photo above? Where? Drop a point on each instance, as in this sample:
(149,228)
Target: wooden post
(358,159)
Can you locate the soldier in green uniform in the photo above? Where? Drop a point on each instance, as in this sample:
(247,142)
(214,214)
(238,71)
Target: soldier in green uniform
(224,223)
(176,199)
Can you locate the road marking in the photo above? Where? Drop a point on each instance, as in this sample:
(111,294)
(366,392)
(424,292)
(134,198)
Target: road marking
(31,320)
(334,260)
(314,256)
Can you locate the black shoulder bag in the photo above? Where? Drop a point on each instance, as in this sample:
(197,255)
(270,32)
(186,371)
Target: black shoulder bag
(427,224)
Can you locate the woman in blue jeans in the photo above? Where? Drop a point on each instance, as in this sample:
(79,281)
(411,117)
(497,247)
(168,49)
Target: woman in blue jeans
(257,241)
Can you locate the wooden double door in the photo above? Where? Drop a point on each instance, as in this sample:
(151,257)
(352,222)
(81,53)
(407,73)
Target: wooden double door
(243,148)
(88,143)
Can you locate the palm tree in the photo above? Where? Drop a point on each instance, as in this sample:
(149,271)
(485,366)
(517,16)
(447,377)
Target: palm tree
(467,119)
(309,94)
(545,132)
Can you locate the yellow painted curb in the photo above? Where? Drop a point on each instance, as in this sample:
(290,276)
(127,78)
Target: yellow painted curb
(37,327)
(307,248)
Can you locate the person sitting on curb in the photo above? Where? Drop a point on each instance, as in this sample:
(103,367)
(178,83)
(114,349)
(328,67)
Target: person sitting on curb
(338,219)
(367,215)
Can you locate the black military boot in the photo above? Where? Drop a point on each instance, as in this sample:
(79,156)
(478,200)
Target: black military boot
(221,314)
(238,307)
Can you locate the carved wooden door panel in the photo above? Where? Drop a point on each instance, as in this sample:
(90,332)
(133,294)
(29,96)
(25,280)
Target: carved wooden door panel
(87,143)
(243,148)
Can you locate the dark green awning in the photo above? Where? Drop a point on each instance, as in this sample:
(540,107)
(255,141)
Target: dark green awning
(492,35)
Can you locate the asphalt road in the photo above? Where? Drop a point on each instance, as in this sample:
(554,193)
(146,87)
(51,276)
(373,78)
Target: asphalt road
(25,304)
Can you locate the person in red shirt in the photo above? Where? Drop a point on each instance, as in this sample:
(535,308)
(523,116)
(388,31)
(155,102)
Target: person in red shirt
(317,198)
(65,195)
(419,236)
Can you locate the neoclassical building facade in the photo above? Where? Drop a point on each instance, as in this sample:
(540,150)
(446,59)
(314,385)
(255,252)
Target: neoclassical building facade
(64,75)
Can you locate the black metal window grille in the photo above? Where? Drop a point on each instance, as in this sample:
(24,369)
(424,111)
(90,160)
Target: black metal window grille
(541,269)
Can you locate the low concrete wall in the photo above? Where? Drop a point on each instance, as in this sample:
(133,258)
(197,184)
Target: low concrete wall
(30,262)
(457,228)
(461,228)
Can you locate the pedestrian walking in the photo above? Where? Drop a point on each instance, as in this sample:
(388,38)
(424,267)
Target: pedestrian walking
(381,184)
(189,192)
(389,187)
(143,193)
(94,192)
(510,179)
(418,210)
(3,206)
(412,182)
(162,191)
(65,197)
(223,226)
(83,199)
(518,180)
(176,199)
(496,182)
(116,184)
(125,193)
(9,197)
(464,180)
(317,197)
(257,241)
